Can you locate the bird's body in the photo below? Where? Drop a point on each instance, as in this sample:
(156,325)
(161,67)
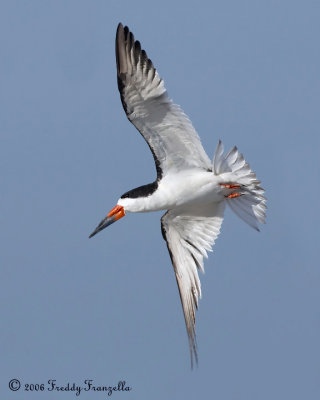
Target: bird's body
(191,188)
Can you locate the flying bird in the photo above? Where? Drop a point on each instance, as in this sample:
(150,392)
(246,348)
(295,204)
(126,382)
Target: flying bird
(192,189)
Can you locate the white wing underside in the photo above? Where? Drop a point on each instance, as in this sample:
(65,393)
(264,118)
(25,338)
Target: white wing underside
(189,234)
(168,131)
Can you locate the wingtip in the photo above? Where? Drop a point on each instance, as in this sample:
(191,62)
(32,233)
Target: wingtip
(120,30)
(194,356)
(119,27)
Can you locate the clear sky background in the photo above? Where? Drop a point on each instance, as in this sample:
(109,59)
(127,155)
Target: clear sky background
(108,308)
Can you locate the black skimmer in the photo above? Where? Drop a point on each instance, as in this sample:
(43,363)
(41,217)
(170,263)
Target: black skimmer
(193,190)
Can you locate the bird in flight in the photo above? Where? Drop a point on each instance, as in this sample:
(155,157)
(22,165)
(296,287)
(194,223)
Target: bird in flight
(192,189)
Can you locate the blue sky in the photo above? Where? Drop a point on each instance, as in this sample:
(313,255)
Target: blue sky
(108,308)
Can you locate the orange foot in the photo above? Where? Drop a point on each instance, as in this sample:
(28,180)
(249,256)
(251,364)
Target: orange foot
(230,186)
(233,195)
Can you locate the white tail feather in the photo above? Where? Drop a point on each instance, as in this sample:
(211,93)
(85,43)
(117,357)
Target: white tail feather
(251,205)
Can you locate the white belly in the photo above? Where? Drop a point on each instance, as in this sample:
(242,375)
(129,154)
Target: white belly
(190,187)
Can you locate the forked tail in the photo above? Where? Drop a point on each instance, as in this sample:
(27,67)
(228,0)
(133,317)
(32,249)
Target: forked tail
(250,206)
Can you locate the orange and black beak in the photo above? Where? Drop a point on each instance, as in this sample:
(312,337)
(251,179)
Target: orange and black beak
(116,213)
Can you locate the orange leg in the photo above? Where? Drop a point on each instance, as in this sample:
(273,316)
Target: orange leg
(230,186)
(233,195)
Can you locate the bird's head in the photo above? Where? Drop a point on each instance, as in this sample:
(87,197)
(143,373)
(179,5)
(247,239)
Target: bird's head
(116,213)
